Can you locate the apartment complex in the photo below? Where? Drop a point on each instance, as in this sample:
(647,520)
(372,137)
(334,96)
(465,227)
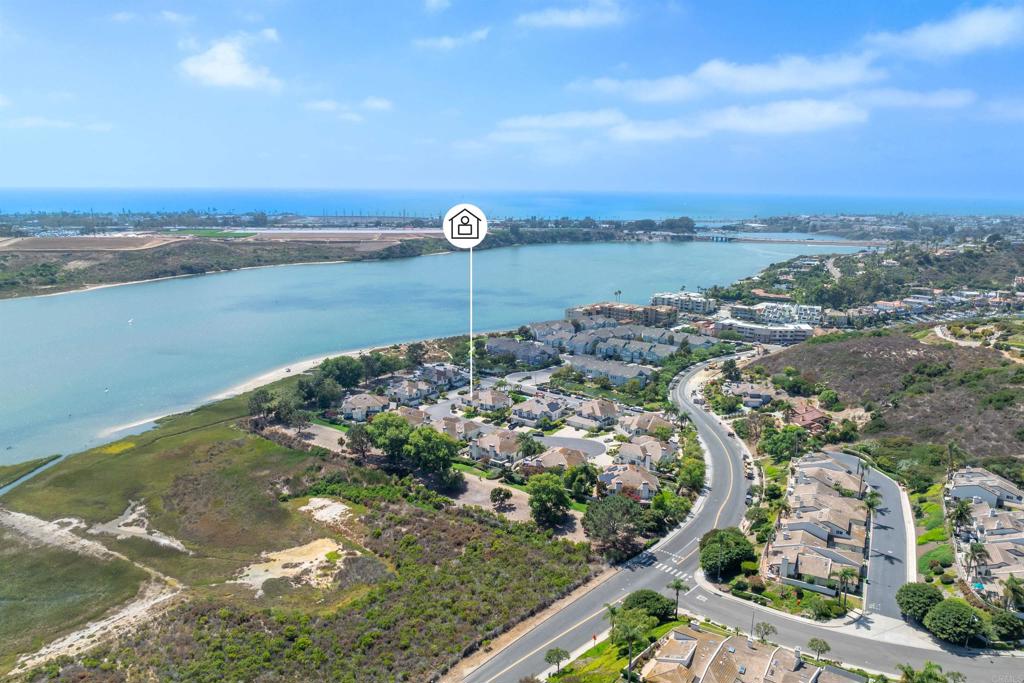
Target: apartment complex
(777,313)
(685,302)
(622,312)
(785,334)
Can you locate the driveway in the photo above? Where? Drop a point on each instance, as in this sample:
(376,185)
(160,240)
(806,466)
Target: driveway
(887,556)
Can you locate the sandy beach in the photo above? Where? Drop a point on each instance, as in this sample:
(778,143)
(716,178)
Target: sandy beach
(295,368)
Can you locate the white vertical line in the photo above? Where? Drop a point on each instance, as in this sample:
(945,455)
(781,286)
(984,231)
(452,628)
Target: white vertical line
(471,348)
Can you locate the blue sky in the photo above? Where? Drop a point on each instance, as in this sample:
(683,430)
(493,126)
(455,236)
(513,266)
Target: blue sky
(916,98)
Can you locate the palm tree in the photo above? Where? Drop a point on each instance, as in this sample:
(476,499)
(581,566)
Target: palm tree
(872,499)
(1013,592)
(960,514)
(677,585)
(527,445)
(907,673)
(783,507)
(618,293)
(631,633)
(847,576)
(975,555)
(612,612)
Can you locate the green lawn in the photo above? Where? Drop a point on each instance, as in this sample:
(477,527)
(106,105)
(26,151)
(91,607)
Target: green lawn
(942,553)
(596,392)
(327,423)
(12,473)
(477,472)
(46,592)
(603,662)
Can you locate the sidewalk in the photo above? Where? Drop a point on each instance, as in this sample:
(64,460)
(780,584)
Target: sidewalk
(894,631)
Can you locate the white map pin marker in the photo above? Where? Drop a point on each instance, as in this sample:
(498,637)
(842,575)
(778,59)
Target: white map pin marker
(465,226)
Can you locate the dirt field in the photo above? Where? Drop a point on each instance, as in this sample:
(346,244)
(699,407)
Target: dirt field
(97,243)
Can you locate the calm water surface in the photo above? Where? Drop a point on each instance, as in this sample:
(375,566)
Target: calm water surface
(72,366)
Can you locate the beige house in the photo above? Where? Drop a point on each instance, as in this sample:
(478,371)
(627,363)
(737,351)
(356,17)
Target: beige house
(636,424)
(489,400)
(630,479)
(457,427)
(361,407)
(411,415)
(558,457)
(498,448)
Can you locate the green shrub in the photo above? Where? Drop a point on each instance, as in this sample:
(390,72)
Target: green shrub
(915,599)
(947,579)
(654,604)
(954,621)
(749,567)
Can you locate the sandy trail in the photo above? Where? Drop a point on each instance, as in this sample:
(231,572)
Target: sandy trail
(155,594)
(134,523)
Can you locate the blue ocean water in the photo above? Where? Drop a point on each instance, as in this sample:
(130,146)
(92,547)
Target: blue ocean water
(611,205)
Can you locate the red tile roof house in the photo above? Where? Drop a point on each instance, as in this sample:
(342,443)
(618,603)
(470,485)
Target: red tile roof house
(810,418)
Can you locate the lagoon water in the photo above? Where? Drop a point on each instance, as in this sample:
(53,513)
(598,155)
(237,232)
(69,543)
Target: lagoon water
(72,367)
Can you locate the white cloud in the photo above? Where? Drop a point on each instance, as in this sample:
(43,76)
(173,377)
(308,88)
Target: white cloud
(51,123)
(792,116)
(789,73)
(595,13)
(123,17)
(446,43)
(226,63)
(346,112)
(173,17)
(377,103)
(39,122)
(785,117)
(601,118)
(322,105)
(895,97)
(4,102)
(436,5)
(970,31)
(1009,109)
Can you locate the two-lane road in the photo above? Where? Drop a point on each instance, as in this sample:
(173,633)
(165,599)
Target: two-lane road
(864,644)
(675,557)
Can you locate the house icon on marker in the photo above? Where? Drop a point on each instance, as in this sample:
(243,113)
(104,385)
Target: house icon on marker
(464,225)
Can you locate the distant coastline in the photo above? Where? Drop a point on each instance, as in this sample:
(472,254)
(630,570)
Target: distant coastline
(701,206)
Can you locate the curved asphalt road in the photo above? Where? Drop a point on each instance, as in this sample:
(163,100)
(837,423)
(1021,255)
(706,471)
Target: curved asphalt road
(575,625)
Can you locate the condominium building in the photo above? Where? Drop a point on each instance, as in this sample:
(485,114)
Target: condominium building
(687,302)
(635,313)
(790,333)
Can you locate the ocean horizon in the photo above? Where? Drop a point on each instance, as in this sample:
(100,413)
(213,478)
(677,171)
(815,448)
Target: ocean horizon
(702,207)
